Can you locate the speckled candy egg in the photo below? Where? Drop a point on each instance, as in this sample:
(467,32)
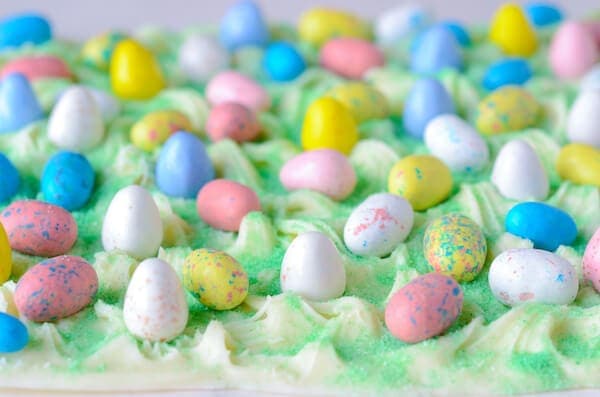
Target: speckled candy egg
(56,288)
(319,24)
(217,279)
(426,99)
(231,86)
(201,57)
(454,245)
(530,275)
(579,163)
(13,334)
(583,123)
(591,260)
(5,256)
(19,106)
(350,57)
(283,62)
(509,108)
(573,50)
(425,307)
(38,228)
(232,120)
(155,128)
(509,71)
(511,31)
(19,29)
(38,67)
(364,101)
(98,50)
(11,181)
(68,180)
(243,25)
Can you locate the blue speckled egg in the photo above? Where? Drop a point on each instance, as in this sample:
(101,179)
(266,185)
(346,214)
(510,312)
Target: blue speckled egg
(543,14)
(283,62)
(13,334)
(9,179)
(511,71)
(243,25)
(68,180)
(459,31)
(427,99)
(436,49)
(19,29)
(18,103)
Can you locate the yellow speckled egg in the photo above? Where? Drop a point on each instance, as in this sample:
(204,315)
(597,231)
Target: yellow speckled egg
(363,100)
(329,125)
(454,245)
(423,180)
(509,108)
(216,278)
(98,50)
(579,163)
(5,256)
(155,128)
(318,25)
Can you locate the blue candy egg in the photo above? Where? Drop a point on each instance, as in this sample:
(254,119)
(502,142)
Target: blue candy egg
(13,334)
(18,104)
(9,179)
(458,30)
(545,225)
(513,71)
(435,50)
(427,99)
(17,30)
(283,62)
(543,14)
(243,25)
(68,180)
(183,166)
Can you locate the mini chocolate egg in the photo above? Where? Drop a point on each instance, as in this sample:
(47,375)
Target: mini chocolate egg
(232,120)
(531,275)
(425,307)
(511,31)
(40,229)
(216,278)
(591,260)
(202,57)
(350,57)
(518,172)
(509,108)
(543,14)
(155,307)
(378,225)
(401,21)
(76,121)
(328,125)
(454,245)
(10,179)
(56,288)
(364,101)
(421,179)
(283,62)
(456,143)
(13,334)
(459,31)
(37,67)
(98,50)
(156,127)
(427,99)
(132,223)
(313,268)
(68,180)
(243,25)
(508,71)
(19,29)
(572,51)
(318,25)
(583,123)
(19,106)
(437,49)
(326,171)
(579,163)
(231,86)
(5,256)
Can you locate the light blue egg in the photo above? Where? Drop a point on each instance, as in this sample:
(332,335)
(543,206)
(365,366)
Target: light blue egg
(458,30)
(183,166)
(283,62)
(243,25)
(436,49)
(543,14)
(19,29)
(427,99)
(13,334)
(9,179)
(512,71)
(68,180)
(18,103)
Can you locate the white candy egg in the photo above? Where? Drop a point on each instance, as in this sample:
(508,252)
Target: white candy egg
(398,22)
(155,307)
(378,225)
(313,268)
(532,275)
(456,143)
(132,223)
(591,80)
(518,172)
(109,106)
(583,124)
(201,57)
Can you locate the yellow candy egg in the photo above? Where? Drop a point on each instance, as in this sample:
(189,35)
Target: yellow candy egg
(423,180)
(5,256)
(579,163)
(329,125)
(155,128)
(364,101)
(216,278)
(98,50)
(512,32)
(454,245)
(134,72)
(318,25)
(509,108)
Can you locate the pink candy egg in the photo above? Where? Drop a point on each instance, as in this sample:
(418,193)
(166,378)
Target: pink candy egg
(591,260)
(232,120)
(350,58)
(594,29)
(326,171)
(56,288)
(230,86)
(573,50)
(37,228)
(423,308)
(223,204)
(38,67)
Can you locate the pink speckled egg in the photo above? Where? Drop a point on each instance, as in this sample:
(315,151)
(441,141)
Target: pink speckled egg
(56,288)
(37,67)
(232,120)
(223,204)
(38,228)
(350,57)
(573,50)
(591,260)
(326,171)
(230,86)
(423,308)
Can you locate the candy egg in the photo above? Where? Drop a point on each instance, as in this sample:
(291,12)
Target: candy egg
(518,172)
(437,49)
(580,164)
(18,103)
(202,57)
(283,62)
(456,143)
(591,80)
(107,104)
(326,171)
(56,288)
(10,179)
(510,30)
(509,108)
(231,120)
(591,260)
(155,307)
(134,72)
(421,179)
(37,67)
(427,99)
(510,71)
(216,278)
(350,57)
(132,223)
(546,226)
(68,180)
(583,123)
(364,101)
(425,307)
(313,268)
(458,30)
(530,275)
(378,225)
(318,25)
(5,256)
(98,50)
(155,128)
(328,124)
(18,29)
(243,25)
(230,86)
(572,51)
(543,14)
(183,166)
(13,334)
(76,121)
(40,229)
(401,21)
